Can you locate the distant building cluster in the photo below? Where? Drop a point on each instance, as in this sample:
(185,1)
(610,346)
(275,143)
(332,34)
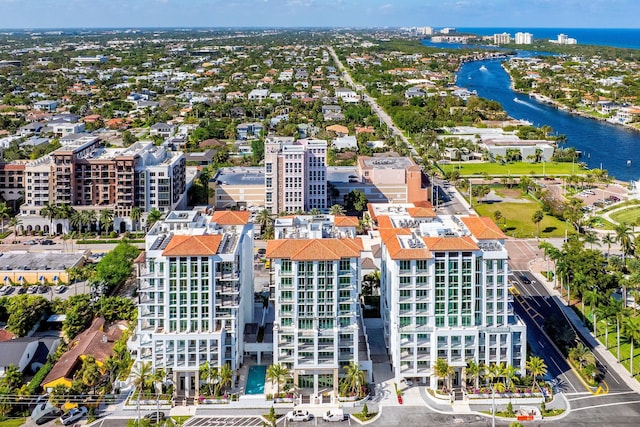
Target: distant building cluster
(520,38)
(564,39)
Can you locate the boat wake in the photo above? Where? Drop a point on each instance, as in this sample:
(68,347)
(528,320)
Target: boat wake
(519,101)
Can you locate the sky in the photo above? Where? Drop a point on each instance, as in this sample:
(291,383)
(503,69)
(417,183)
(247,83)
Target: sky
(319,13)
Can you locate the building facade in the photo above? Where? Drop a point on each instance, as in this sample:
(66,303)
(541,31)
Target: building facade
(445,293)
(295,174)
(195,294)
(316,277)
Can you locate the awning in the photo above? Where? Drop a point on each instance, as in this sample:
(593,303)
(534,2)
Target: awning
(20,279)
(41,278)
(55,278)
(6,278)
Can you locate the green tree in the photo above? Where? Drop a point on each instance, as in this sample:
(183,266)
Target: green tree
(355,201)
(443,371)
(49,211)
(536,368)
(265,221)
(91,374)
(473,371)
(625,239)
(135,215)
(106,219)
(5,212)
(153,216)
(631,330)
(78,315)
(116,266)
(537,217)
(336,210)
(12,378)
(582,355)
(277,374)
(353,379)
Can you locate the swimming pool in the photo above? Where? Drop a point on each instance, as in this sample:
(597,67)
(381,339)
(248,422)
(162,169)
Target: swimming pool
(255,379)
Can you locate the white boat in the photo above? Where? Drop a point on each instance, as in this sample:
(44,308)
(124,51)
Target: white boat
(483,68)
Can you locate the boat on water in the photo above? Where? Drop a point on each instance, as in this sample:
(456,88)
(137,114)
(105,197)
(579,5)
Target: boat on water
(516,100)
(483,68)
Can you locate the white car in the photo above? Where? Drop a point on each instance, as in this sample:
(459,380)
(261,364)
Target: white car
(298,415)
(73,415)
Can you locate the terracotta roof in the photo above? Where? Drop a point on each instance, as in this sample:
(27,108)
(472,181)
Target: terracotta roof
(384,221)
(231,217)
(421,212)
(314,249)
(345,221)
(483,228)
(181,245)
(464,243)
(6,335)
(396,250)
(141,258)
(93,341)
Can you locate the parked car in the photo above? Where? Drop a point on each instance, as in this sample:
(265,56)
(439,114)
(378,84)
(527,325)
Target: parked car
(60,289)
(335,415)
(30,242)
(73,415)
(32,290)
(154,417)
(4,290)
(47,242)
(21,290)
(298,415)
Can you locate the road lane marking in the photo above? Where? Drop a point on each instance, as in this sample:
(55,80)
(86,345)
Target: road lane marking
(563,374)
(605,405)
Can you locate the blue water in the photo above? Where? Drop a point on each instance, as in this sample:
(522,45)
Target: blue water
(614,37)
(256,379)
(602,144)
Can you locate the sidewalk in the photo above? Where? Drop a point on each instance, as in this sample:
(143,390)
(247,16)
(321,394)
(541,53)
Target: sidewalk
(536,267)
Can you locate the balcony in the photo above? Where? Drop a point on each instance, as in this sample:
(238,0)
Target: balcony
(227,275)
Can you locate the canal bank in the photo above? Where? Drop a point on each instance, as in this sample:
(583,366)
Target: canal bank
(604,145)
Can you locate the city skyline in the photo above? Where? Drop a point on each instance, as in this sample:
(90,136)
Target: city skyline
(18,14)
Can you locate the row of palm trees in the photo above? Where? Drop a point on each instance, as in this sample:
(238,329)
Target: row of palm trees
(501,376)
(82,220)
(352,383)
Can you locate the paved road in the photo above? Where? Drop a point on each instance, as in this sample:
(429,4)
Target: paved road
(384,117)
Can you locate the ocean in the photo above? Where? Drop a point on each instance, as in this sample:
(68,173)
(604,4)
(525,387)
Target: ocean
(614,37)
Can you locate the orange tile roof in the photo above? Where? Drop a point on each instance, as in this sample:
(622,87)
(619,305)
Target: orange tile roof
(384,221)
(231,217)
(345,221)
(314,249)
(395,249)
(182,245)
(421,212)
(483,228)
(464,243)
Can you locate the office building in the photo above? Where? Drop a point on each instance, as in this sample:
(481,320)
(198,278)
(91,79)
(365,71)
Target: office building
(295,174)
(445,293)
(195,294)
(318,329)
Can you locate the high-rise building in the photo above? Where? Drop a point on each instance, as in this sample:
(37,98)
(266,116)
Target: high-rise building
(445,293)
(523,38)
(504,38)
(195,294)
(295,174)
(316,278)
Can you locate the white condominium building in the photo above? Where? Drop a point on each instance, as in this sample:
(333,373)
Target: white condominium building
(317,329)
(504,38)
(445,293)
(295,174)
(195,294)
(523,38)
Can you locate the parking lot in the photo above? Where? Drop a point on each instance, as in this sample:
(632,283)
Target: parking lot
(227,420)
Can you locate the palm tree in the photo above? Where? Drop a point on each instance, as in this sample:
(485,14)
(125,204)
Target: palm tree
(510,373)
(590,297)
(608,240)
(265,221)
(135,215)
(14,222)
(153,216)
(90,217)
(443,371)
(337,210)
(76,221)
(581,354)
(315,211)
(623,237)
(473,371)
(603,313)
(106,219)
(631,329)
(536,367)
(64,212)
(277,374)
(537,217)
(592,238)
(353,379)
(141,373)
(618,310)
(226,375)
(209,374)
(49,211)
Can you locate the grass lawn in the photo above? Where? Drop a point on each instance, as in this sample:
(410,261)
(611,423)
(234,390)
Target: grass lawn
(625,347)
(601,223)
(517,220)
(629,215)
(13,422)
(515,169)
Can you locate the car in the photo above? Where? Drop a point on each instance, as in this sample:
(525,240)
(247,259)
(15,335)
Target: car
(21,290)
(47,242)
(262,251)
(4,290)
(60,289)
(32,290)
(298,415)
(30,242)
(525,280)
(73,415)
(333,415)
(154,417)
